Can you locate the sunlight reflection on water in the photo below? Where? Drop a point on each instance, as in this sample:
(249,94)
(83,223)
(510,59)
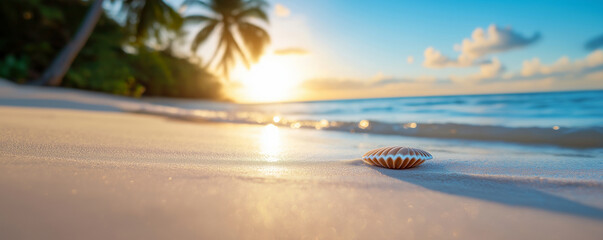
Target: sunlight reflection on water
(270,143)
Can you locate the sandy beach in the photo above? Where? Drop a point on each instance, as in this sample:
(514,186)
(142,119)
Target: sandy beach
(270,119)
(71,169)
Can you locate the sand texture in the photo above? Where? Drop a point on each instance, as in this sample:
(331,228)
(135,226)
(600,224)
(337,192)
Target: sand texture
(71,173)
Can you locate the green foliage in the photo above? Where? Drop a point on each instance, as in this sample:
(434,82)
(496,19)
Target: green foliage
(151,69)
(14,67)
(107,74)
(190,81)
(102,65)
(149,19)
(163,74)
(38,29)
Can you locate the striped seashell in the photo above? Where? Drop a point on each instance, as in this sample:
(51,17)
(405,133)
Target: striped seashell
(396,157)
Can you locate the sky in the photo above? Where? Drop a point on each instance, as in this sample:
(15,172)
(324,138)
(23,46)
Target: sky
(332,49)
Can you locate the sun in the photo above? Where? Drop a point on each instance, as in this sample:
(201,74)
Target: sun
(272,79)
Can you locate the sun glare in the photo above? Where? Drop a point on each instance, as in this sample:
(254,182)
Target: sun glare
(270,143)
(272,79)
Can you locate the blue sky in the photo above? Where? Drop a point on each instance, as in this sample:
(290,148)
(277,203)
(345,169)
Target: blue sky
(382,33)
(361,48)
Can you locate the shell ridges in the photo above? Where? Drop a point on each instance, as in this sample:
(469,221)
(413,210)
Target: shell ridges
(396,157)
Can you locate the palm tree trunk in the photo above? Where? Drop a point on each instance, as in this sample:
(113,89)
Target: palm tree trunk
(54,74)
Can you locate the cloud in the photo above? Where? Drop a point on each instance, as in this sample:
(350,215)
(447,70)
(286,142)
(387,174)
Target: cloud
(596,42)
(491,70)
(281,10)
(564,69)
(382,80)
(435,59)
(410,59)
(492,76)
(595,76)
(377,81)
(495,40)
(480,44)
(563,65)
(333,84)
(291,51)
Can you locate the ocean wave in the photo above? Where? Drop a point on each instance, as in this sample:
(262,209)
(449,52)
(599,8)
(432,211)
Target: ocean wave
(377,109)
(577,137)
(434,103)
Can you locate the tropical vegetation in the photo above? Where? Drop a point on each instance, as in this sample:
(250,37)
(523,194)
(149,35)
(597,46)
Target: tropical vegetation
(232,19)
(75,43)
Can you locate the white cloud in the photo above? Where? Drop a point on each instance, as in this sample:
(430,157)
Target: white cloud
(595,76)
(562,65)
(491,70)
(480,44)
(589,68)
(496,39)
(410,59)
(435,59)
(281,10)
(379,80)
(564,74)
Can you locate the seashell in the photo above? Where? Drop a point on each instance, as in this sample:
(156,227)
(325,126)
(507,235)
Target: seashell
(396,157)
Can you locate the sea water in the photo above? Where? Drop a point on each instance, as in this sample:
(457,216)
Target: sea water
(560,118)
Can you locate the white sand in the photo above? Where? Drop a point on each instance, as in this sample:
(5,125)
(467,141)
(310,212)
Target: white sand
(69,173)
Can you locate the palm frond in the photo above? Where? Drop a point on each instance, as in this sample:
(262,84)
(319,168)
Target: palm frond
(227,60)
(203,34)
(174,18)
(221,43)
(197,3)
(231,40)
(253,12)
(198,19)
(256,3)
(150,18)
(232,15)
(255,38)
(143,21)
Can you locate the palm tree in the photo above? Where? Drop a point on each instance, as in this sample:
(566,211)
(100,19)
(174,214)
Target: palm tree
(148,19)
(144,18)
(53,75)
(234,19)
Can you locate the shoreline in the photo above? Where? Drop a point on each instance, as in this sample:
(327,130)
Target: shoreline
(573,137)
